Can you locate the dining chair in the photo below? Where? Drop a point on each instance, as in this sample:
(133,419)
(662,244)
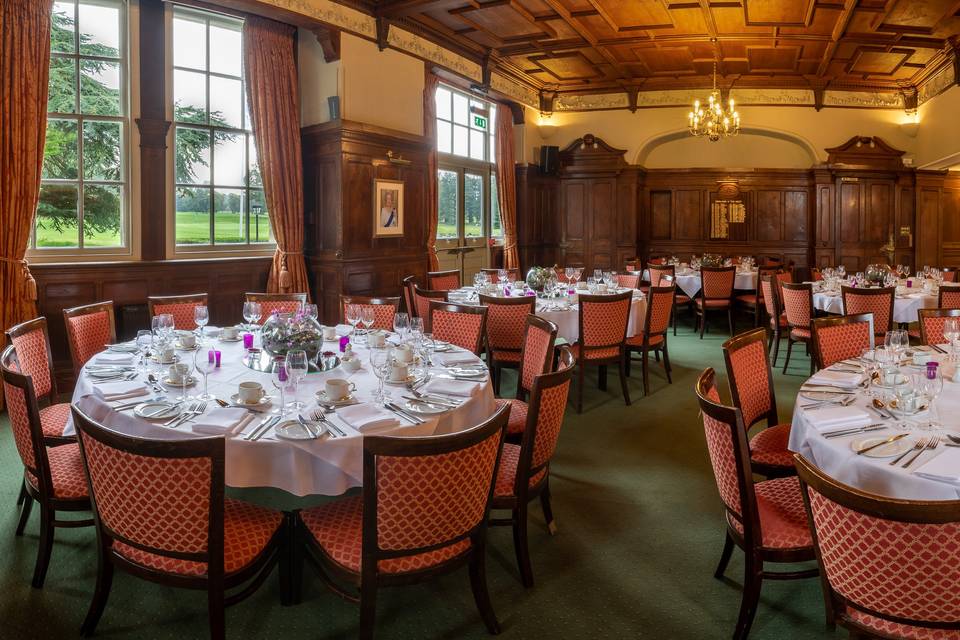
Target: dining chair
(770,261)
(52,475)
(840,337)
(89,327)
(271,303)
(657,260)
(161,515)
(948,297)
(653,337)
(422,513)
(815,274)
(798,307)
(716,294)
(536,358)
(524,473)
(463,325)
(493,274)
(949,274)
(629,280)
(180,307)
(888,567)
(384,309)
(753,303)
(765,519)
(421,303)
(443,280)
(659,271)
(751,389)
(603,321)
(506,321)
(406,288)
(879,302)
(931,324)
(777,319)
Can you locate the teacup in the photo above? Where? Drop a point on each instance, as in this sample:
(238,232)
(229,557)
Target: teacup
(178,373)
(167,353)
(920,358)
(601,288)
(250,392)
(350,365)
(229,333)
(377,339)
(399,372)
(329,333)
(403,353)
(188,340)
(338,388)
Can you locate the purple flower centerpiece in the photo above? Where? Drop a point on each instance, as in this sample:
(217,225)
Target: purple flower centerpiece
(285,331)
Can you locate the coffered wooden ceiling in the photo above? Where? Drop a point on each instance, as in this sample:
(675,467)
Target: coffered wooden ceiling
(607,45)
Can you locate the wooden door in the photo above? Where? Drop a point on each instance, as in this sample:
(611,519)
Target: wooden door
(866,214)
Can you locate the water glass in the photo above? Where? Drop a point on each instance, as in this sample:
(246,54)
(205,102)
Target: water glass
(297,367)
(309,310)
(280,380)
(351,314)
(367,318)
(205,363)
(929,390)
(416,329)
(400,323)
(951,333)
(251,313)
(380,364)
(144,342)
(201,316)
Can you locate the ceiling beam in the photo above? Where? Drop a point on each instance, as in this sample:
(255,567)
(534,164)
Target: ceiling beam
(585,33)
(838,29)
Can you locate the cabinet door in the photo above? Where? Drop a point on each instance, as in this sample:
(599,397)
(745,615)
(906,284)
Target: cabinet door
(866,209)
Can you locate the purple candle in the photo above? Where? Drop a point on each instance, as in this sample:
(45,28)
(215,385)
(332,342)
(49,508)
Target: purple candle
(211,355)
(344,341)
(932,370)
(281,371)
(217,356)
(248,341)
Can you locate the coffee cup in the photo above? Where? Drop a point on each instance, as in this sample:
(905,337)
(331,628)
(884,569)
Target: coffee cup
(377,339)
(891,378)
(338,388)
(229,333)
(601,288)
(188,340)
(350,365)
(329,333)
(399,372)
(920,358)
(403,353)
(178,373)
(167,353)
(250,392)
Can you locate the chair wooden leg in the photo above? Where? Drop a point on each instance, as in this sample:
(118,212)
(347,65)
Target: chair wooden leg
(730,318)
(520,545)
(45,547)
(602,377)
(25,510)
(496,373)
(23,493)
(812,368)
(673,318)
(623,379)
(646,372)
(478,584)
(724,556)
(703,321)
(751,597)
(629,360)
(100,594)
(666,363)
(776,346)
(368,610)
(548,509)
(217,614)
(580,388)
(786,362)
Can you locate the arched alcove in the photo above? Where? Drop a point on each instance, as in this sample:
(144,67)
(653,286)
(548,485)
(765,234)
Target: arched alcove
(752,148)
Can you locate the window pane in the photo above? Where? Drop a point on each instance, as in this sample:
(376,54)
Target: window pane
(192,157)
(460,111)
(60,152)
(62,97)
(193,216)
(99,30)
(101,151)
(229,159)
(62,33)
(226,102)
(477,144)
(447,206)
(189,42)
(259,218)
(472,205)
(256,180)
(443,137)
(57,222)
(443,103)
(102,216)
(460,140)
(226,50)
(496,226)
(229,223)
(100,87)
(493,150)
(189,97)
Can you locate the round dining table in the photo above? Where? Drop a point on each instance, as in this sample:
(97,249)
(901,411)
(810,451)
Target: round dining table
(905,305)
(328,465)
(688,280)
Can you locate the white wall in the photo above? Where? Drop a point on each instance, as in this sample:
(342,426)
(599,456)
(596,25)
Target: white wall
(938,139)
(319,80)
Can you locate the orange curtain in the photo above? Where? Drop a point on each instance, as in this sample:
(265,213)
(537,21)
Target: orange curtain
(430,132)
(25,55)
(273,94)
(507,186)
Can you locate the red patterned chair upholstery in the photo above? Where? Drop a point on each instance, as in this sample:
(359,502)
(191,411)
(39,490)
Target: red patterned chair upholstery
(777,319)
(629,280)
(753,303)
(815,274)
(879,302)
(751,388)
(653,338)
(423,512)
(180,307)
(383,309)
(797,302)
(536,358)
(716,294)
(52,476)
(841,337)
(949,274)
(161,515)
(462,325)
(931,324)
(493,274)
(524,472)
(506,322)
(271,303)
(890,567)
(764,519)
(89,327)
(421,303)
(949,297)
(443,280)
(658,272)
(603,339)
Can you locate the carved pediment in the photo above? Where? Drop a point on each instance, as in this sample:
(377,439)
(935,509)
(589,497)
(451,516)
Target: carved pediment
(867,152)
(591,155)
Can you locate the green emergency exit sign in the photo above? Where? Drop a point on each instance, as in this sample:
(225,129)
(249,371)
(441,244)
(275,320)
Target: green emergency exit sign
(479,122)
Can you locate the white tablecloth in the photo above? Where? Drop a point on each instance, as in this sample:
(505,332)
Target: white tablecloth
(327,466)
(904,307)
(838,460)
(689,282)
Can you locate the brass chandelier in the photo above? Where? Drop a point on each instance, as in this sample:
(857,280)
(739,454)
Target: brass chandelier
(712,120)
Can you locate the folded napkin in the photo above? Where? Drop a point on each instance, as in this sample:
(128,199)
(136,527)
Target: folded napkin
(222,421)
(121,390)
(344,329)
(114,358)
(366,417)
(461,388)
(837,417)
(943,468)
(455,358)
(842,379)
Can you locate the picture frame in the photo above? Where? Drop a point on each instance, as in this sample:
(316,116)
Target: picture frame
(388,215)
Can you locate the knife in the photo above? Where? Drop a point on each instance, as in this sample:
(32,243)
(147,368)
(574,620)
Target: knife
(400,412)
(892,438)
(260,427)
(270,425)
(308,426)
(852,430)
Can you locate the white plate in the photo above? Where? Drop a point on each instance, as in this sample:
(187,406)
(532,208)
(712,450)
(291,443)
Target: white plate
(820,396)
(262,402)
(442,346)
(179,347)
(189,382)
(175,360)
(426,407)
(350,398)
(411,379)
(122,347)
(888,450)
(152,410)
(101,374)
(293,430)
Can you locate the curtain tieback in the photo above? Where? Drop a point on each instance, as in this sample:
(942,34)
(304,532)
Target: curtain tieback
(285,280)
(29,284)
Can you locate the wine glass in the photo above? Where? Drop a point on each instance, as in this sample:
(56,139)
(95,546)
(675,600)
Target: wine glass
(189,363)
(502,276)
(352,315)
(416,329)
(201,316)
(280,379)
(309,310)
(577,273)
(597,275)
(297,367)
(380,364)
(144,342)
(951,332)
(400,323)
(367,318)
(251,313)
(205,363)
(256,313)
(930,387)
(906,394)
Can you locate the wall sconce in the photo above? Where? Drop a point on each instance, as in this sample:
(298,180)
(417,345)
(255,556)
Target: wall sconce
(547,130)
(911,124)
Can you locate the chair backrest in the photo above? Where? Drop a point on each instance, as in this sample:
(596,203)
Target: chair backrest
(536,357)
(383,309)
(764,272)
(603,324)
(797,302)
(657,260)
(406,286)
(89,327)
(783,277)
(492,274)
(886,558)
(751,377)
(770,261)
(931,324)
(506,321)
(443,280)
(31,339)
(658,270)
(160,496)
(24,413)
(769,296)
(463,325)
(840,337)
(717,282)
(424,493)
(949,297)
(879,302)
(180,307)
(816,274)
(271,303)
(659,309)
(949,274)
(629,280)
(421,303)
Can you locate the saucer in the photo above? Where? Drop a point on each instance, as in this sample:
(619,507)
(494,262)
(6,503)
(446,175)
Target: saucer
(188,382)
(884,451)
(179,347)
(410,379)
(262,402)
(174,360)
(350,398)
(293,430)
(223,339)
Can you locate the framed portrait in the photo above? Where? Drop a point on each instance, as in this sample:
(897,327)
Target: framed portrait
(387,208)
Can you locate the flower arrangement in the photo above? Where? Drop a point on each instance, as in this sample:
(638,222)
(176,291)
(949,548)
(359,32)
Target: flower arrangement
(283,332)
(537,277)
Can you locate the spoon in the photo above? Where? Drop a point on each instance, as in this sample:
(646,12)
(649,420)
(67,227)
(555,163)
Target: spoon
(882,407)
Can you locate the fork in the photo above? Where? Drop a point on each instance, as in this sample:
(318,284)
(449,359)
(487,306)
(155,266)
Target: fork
(319,416)
(918,447)
(190,407)
(932,444)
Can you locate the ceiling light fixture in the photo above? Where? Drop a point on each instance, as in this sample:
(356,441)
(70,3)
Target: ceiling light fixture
(712,120)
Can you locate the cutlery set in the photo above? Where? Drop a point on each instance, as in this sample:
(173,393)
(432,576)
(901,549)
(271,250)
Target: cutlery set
(923,444)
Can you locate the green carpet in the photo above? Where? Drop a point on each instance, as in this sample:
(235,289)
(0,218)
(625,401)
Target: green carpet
(640,532)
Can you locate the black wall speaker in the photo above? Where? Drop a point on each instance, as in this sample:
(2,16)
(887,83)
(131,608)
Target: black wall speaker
(549,160)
